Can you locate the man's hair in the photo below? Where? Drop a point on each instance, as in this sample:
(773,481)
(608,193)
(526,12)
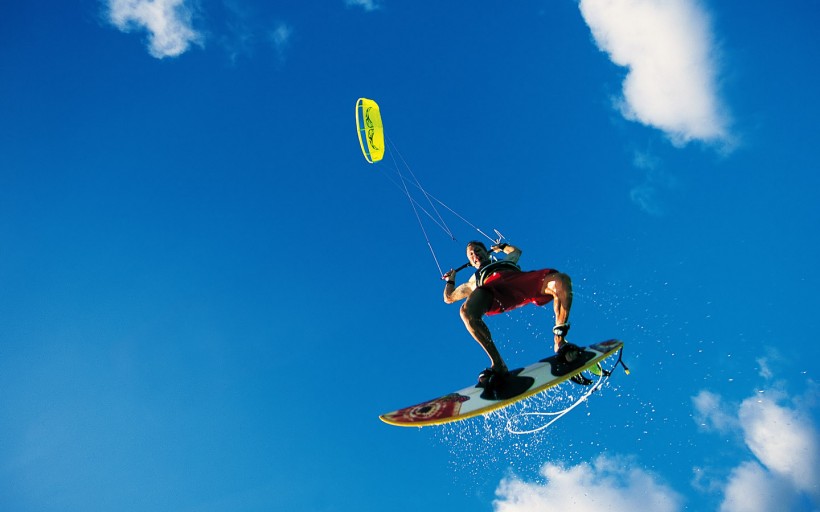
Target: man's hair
(476,242)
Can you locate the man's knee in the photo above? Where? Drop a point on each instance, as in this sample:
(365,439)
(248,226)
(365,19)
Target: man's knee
(566,282)
(467,313)
(472,309)
(559,283)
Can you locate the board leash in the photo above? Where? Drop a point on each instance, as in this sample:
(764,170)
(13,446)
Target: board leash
(603,377)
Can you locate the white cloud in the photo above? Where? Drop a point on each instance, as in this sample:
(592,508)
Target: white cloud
(367,5)
(753,489)
(667,47)
(784,440)
(783,475)
(168,23)
(608,484)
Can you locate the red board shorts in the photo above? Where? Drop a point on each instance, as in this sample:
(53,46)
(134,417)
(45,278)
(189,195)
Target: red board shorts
(515,289)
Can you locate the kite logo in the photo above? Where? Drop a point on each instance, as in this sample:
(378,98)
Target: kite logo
(371,130)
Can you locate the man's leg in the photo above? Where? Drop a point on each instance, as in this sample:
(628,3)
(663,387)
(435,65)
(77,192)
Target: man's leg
(560,287)
(472,312)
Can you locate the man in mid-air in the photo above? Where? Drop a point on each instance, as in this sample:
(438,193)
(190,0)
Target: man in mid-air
(499,285)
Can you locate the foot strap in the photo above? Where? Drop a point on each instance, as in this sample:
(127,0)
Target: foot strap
(561,329)
(489,378)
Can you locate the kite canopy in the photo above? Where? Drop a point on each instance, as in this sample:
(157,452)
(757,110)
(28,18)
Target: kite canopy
(371,131)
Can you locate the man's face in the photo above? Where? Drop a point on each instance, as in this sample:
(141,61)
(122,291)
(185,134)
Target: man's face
(477,255)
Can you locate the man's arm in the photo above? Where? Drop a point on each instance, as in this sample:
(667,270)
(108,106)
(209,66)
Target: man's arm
(457,293)
(512,252)
(453,293)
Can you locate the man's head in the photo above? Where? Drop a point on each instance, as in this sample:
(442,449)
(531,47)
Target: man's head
(477,254)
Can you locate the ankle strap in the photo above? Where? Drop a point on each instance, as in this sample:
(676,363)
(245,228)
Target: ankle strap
(561,329)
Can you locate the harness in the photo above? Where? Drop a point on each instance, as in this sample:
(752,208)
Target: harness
(486,271)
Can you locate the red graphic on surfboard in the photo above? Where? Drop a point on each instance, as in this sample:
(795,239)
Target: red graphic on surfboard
(444,407)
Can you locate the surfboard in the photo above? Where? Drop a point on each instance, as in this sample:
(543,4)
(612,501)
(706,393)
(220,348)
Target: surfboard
(520,384)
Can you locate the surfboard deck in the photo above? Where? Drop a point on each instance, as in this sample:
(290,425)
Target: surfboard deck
(522,383)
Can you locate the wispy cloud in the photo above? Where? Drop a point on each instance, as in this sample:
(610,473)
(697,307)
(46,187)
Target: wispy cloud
(712,414)
(168,23)
(280,37)
(367,5)
(647,194)
(668,50)
(613,484)
(236,35)
(243,30)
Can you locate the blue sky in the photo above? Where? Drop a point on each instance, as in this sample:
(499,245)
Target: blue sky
(209,296)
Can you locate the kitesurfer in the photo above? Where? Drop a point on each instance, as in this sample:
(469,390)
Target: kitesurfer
(500,285)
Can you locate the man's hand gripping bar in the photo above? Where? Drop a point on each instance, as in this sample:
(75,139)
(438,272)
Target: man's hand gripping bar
(444,277)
